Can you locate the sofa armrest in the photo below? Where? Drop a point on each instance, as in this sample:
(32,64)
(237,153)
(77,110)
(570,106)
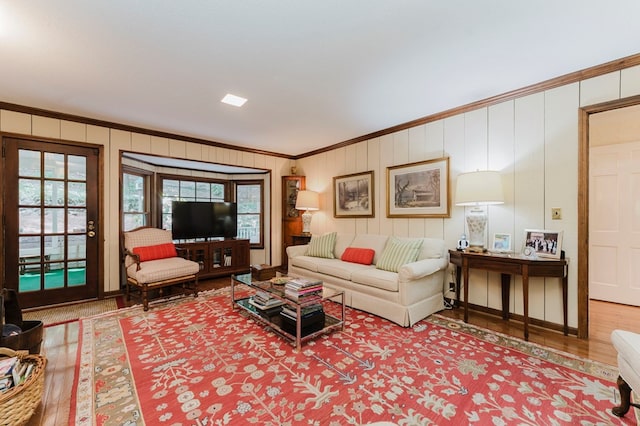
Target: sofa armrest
(295,251)
(421,268)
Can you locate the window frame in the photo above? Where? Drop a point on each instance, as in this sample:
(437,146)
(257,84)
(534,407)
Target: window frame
(147,180)
(228,185)
(261,213)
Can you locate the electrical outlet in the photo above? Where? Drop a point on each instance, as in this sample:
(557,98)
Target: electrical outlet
(556,214)
(452,287)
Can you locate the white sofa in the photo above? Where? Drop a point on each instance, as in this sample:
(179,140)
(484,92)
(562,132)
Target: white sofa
(405,297)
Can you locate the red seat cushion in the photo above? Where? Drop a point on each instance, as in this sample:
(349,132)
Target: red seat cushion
(358,255)
(160,251)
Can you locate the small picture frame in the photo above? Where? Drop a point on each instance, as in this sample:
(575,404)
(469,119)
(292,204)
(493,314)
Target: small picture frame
(543,242)
(501,243)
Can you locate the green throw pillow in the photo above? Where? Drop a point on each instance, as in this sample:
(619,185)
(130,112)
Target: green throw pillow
(397,253)
(322,246)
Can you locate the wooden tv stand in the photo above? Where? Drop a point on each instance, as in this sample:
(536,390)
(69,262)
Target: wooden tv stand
(219,258)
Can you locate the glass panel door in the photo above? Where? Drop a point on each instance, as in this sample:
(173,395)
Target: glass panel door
(51,232)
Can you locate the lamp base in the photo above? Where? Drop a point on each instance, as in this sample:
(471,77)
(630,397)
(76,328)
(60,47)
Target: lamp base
(306,222)
(476,222)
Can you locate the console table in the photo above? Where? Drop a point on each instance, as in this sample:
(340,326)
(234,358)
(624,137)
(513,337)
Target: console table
(507,265)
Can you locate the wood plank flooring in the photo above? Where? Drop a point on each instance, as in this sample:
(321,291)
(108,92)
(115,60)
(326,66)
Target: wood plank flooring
(61,344)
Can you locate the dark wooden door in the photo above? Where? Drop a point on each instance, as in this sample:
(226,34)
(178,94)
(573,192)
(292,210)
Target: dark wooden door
(52,234)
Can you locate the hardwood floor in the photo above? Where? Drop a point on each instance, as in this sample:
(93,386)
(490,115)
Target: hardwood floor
(61,344)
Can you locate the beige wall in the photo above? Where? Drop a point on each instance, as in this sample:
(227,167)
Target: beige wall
(115,141)
(532,141)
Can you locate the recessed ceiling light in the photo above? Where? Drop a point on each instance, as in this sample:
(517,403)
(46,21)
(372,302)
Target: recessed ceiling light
(233,100)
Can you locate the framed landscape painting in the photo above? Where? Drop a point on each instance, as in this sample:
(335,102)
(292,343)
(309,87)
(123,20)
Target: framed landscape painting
(353,195)
(419,189)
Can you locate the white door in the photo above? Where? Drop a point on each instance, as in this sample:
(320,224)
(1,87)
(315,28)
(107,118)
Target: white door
(614,223)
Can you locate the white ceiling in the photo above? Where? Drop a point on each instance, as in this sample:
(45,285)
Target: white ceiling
(316,72)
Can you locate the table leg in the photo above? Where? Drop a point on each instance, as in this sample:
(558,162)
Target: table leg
(506,288)
(525,299)
(565,296)
(458,273)
(465,269)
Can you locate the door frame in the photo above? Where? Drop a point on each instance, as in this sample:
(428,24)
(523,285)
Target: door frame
(100,184)
(583,204)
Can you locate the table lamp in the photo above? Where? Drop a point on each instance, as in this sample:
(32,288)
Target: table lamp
(478,189)
(307,201)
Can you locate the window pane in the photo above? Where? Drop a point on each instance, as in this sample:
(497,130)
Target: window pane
(187,190)
(77,220)
(133,220)
(53,193)
(203,191)
(29,192)
(77,247)
(133,193)
(29,221)
(77,194)
(29,163)
(249,227)
(170,188)
(53,165)
(217,191)
(248,198)
(77,167)
(53,220)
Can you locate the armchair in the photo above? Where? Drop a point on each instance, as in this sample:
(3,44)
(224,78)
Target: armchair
(627,344)
(151,262)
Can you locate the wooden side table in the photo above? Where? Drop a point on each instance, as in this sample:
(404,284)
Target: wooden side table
(301,239)
(508,265)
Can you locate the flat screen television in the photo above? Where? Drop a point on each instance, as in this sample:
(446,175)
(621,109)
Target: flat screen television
(195,219)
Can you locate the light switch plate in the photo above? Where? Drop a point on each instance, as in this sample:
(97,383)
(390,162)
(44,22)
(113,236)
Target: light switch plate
(556,213)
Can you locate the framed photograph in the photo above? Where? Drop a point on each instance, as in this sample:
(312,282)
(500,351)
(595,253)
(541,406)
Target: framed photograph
(419,189)
(353,195)
(543,243)
(501,242)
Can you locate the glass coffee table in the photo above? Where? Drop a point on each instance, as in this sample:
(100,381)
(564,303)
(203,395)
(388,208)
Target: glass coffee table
(285,323)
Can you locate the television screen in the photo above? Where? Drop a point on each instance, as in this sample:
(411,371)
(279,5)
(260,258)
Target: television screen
(195,219)
(225,219)
(190,219)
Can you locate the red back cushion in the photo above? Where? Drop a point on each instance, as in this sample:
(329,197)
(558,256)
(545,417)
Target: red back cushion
(160,251)
(358,255)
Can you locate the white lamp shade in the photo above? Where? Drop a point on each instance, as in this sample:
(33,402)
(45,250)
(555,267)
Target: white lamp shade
(307,200)
(481,187)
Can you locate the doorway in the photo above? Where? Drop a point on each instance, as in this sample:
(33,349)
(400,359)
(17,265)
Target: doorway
(51,211)
(586,260)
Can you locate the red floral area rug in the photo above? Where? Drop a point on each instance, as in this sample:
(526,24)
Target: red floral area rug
(197,362)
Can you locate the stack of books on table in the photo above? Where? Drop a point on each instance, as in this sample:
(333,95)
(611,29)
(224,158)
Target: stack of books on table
(303,290)
(265,302)
(13,372)
(309,292)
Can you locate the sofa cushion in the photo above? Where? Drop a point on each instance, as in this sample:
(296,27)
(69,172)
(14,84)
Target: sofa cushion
(163,269)
(372,241)
(158,251)
(322,246)
(339,269)
(342,242)
(358,255)
(376,278)
(398,252)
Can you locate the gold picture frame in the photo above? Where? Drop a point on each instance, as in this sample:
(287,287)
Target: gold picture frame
(353,195)
(419,189)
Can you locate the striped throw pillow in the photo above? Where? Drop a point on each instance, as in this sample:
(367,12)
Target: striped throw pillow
(322,246)
(397,253)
